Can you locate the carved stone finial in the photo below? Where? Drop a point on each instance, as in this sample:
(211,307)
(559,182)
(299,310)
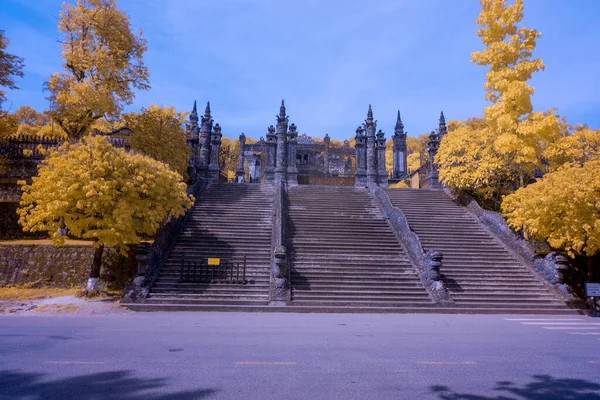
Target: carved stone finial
(207,110)
(217,128)
(293,128)
(194,110)
(370,114)
(399,129)
(242,138)
(282,109)
(360,131)
(271,130)
(442,119)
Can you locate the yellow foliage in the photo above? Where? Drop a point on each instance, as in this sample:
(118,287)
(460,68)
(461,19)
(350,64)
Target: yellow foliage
(103,64)
(102,193)
(158,133)
(563,208)
(580,146)
(413,161)
(400,185)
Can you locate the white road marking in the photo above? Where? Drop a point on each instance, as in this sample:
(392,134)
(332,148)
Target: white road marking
(543,319)
(571,327)
(560,323)
(584,333)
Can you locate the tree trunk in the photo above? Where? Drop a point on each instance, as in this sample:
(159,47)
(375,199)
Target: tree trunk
(92,284)
(590,269)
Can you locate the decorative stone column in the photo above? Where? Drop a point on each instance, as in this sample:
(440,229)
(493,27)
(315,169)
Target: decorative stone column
(370,126)
(205,135)
(326,141)
(192,132)
(432,147)
(281,164)
(240,173)
(360,175)
(215,147)
(382,174)
(400,168)
(442,129)
(292,171)
(271,146)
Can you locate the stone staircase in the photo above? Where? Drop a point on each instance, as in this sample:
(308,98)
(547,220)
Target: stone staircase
(229,221)
(345,257)
(481,275)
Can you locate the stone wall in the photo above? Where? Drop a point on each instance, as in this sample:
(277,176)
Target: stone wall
(65,266)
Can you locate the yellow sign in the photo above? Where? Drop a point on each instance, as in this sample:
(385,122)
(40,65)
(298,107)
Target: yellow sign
(214,261)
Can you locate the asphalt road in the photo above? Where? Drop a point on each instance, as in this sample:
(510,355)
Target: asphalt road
(299,356)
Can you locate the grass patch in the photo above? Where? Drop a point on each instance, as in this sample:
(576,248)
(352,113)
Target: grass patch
(24,293)
(57,308)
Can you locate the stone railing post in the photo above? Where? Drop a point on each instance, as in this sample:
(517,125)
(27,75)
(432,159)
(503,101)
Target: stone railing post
(280,290)
(271,146)
(240,173)
(292,171)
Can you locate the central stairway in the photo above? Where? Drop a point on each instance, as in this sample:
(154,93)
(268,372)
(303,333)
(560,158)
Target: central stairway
(481,275)
(229,221)
(345,257)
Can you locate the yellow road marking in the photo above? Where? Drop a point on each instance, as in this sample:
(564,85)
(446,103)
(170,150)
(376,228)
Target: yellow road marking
(265,363)
(447,362)
(75,362)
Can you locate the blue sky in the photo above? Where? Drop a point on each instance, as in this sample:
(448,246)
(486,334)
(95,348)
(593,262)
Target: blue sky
(329,59)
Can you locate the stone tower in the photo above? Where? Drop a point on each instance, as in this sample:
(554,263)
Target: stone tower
(399,162)
(370,126)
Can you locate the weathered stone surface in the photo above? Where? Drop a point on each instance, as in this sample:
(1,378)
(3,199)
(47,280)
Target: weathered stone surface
(280,272)
(65,266)
(427,264)
(551,268)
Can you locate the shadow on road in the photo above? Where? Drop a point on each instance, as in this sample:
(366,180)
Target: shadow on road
(541,387)
(102,385)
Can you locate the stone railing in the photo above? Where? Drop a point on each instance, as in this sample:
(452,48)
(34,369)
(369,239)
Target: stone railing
(280,290)
(34,148)
(427,264)
(152,256)
(552,268)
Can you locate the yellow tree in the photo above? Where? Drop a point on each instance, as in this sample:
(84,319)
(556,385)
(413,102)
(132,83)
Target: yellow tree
(578,147)
(519,133)
(103,64)
(562,208)
(103,194)
(158,132)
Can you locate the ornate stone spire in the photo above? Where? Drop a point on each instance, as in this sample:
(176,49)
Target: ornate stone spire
(282,109)
(442,129)
(399,129)
(194,115)
(207,117)
(370,114)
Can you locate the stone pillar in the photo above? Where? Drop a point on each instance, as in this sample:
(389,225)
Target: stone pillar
(360,175)
(240,173)
(271,146)
(292,171)
(370,126)
(400,168)
(215,147)
(192,132)
(382,174)
(432,147)
(442,129)
(281,163)
(205,134)
(326,141)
